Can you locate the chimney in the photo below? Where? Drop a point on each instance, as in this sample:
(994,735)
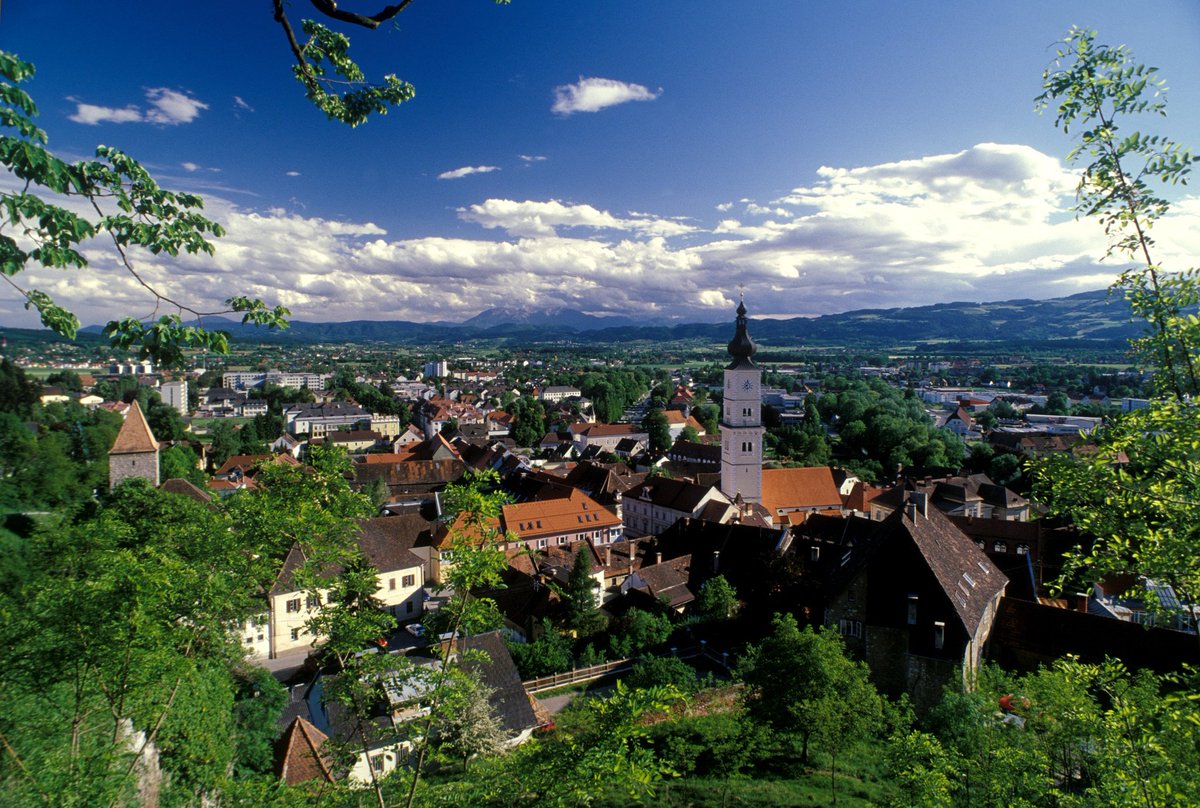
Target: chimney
(716,561)
(918,505)
(608,556)
(658,558)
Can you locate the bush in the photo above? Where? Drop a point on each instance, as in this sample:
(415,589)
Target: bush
(654,671)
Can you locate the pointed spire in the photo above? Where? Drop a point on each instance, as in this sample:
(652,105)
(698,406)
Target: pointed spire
(135,436)
(741,347)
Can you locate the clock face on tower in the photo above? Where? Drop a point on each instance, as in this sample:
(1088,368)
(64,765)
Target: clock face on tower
(747,385)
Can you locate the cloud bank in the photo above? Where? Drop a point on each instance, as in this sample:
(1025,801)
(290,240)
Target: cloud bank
(991,222)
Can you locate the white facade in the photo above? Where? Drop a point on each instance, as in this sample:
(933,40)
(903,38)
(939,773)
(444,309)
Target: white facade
(174,395)
(741,419)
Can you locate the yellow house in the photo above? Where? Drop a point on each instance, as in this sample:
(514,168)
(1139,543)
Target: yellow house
(386,543)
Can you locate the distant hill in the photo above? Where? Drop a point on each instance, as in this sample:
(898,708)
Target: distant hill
(575,321)
(1093,317)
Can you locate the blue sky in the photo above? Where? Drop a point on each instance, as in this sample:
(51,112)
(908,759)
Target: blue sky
(620,157)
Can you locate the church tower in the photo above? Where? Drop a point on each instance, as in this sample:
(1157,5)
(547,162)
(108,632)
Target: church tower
(741,418)
(135,451)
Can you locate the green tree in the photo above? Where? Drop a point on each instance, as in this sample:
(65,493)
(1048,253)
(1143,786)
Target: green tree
(529,421)
(668,670)
(181,461)
(1098,90)
(549,653)
(718,599)
(225,443)
(639,631)
(655,423)
(1143,514)
(827,698)
(583,613)
(17,393)
(469,727)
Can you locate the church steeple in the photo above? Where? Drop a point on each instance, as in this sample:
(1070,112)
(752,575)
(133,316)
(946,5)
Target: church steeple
(741,418)
(741,347)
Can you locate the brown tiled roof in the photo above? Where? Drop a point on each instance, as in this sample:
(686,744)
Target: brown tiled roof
(180,486)
(665,492)
(799,488)
(135,436)
(298,754)
(411,473)
(964,572)
(386,543)
(669,580)
(609,430)
(248,462)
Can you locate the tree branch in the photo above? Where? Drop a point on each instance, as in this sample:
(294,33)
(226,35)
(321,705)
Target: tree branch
(329,9)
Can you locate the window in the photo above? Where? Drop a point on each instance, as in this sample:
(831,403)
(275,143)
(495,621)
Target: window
(814,553)
(249,640)
(314,601)
(999,547)
(850,628)
(293,605)
(912,610)
(408,607)
(391,584)
(939,635)
(408,580)
(1022,549)
(377,763)
(295,633)
(747,412)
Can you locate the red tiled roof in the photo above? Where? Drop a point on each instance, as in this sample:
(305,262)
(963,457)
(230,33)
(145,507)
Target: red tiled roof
(299,756)
(813,487)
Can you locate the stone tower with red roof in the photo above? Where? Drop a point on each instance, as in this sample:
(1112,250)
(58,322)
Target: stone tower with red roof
(135,451)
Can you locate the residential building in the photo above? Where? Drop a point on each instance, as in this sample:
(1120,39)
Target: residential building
(542,523)
(557,393)
(657,503)
(916,598)
(386,543)
(175,395)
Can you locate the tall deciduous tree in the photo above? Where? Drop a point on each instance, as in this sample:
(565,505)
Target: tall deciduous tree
(1143,513)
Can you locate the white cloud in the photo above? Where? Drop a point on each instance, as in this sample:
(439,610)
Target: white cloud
(594,94)
(466,171)
(532,158)
(725,207)
(190,167)
(240,103)
(292,173)
(166,108)
(535,219)
(987,223)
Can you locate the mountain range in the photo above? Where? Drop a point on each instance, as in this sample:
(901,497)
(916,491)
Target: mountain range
(1092,317)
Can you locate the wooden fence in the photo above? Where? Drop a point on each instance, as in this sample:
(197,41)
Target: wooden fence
(593,672)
